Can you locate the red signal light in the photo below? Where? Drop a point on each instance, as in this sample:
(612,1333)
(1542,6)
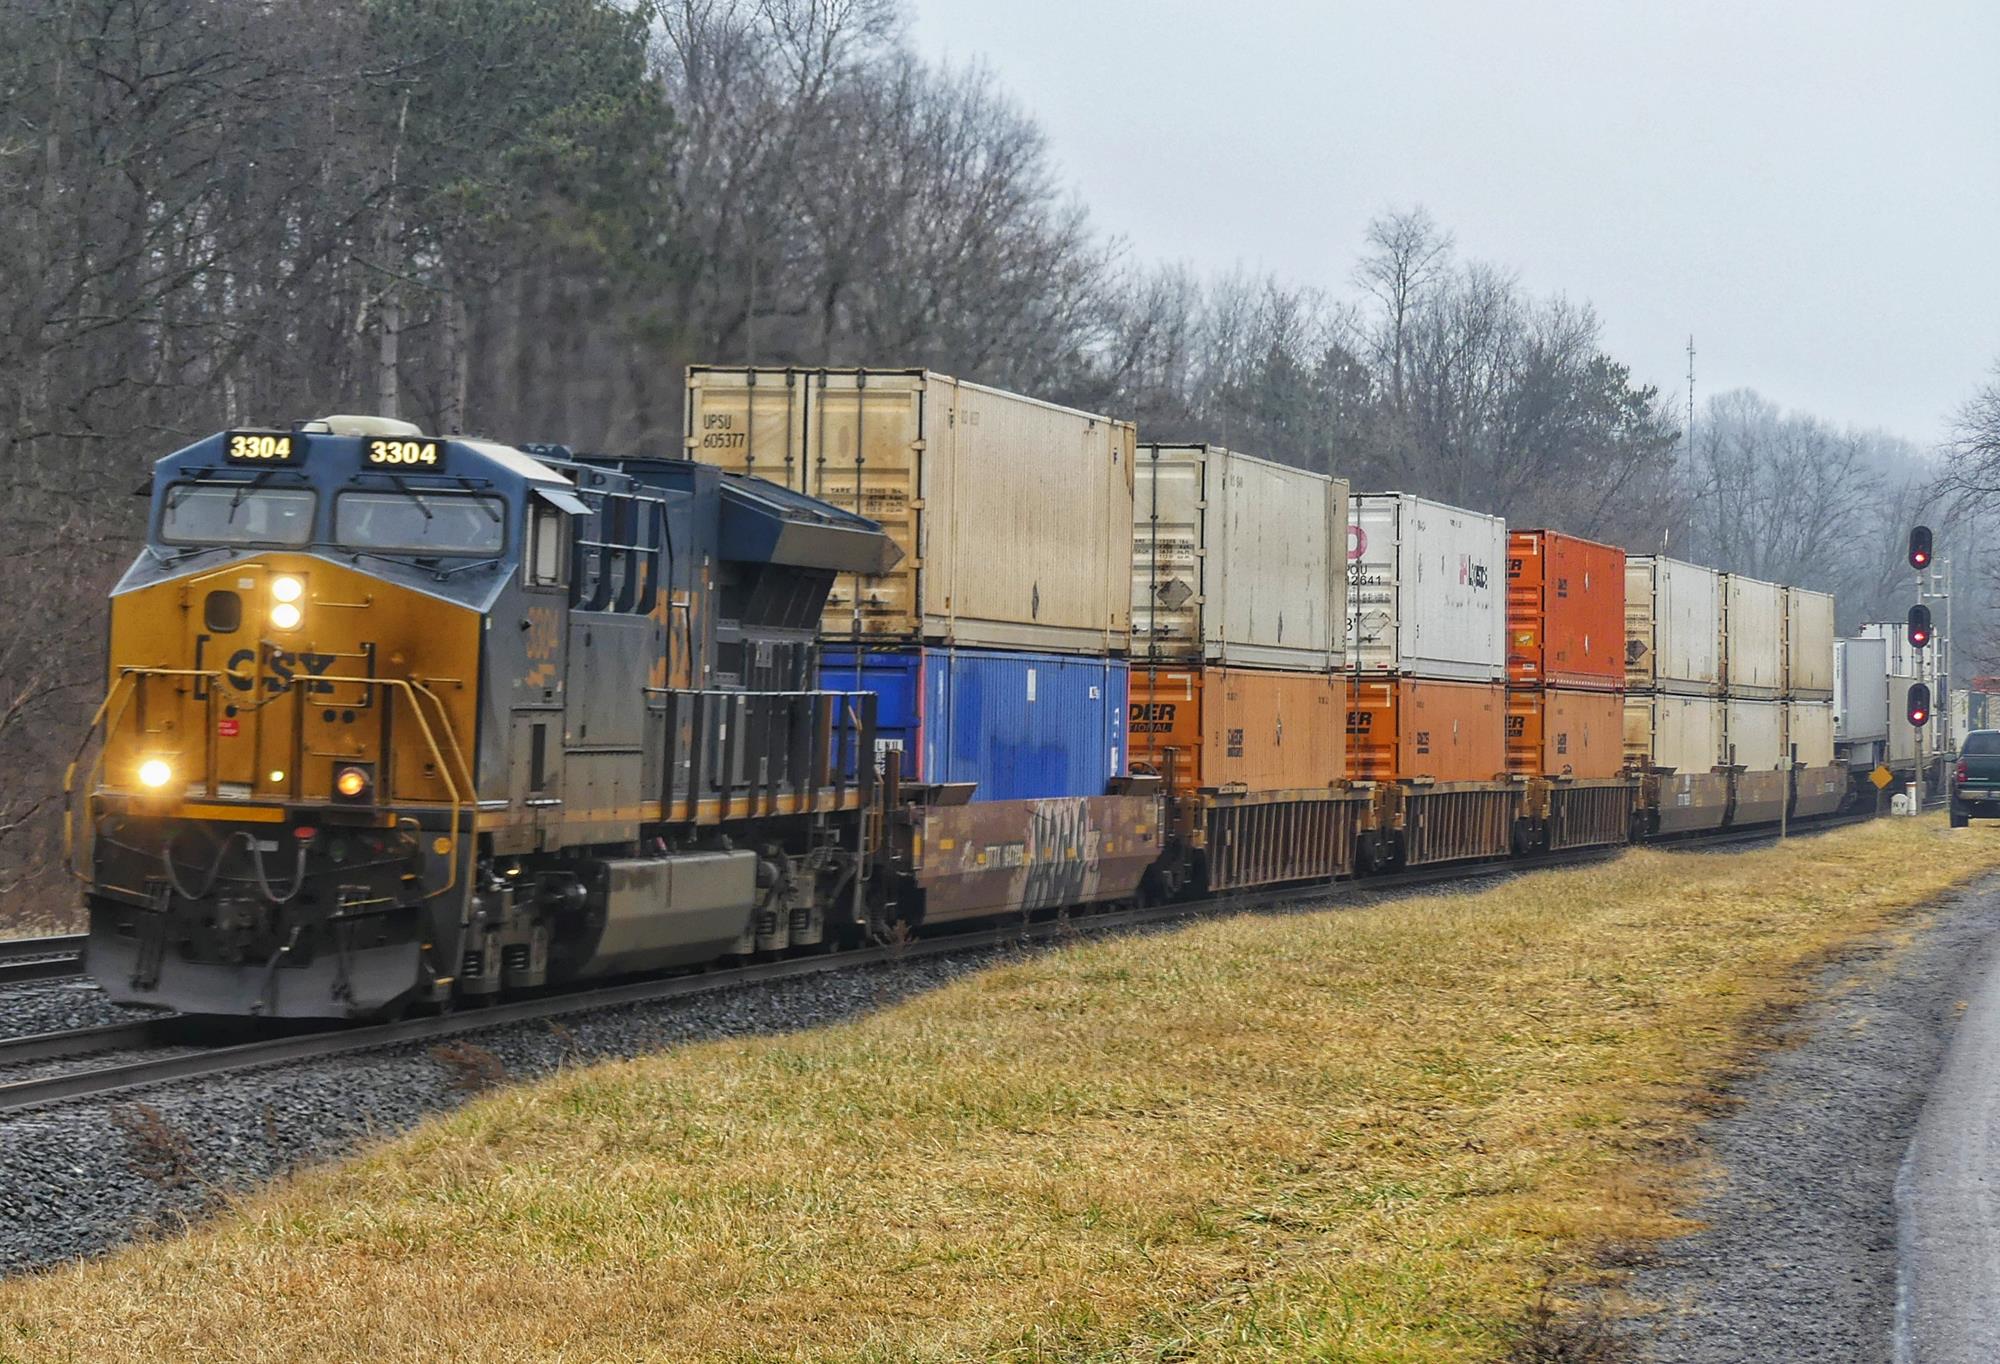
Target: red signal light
(1919,701)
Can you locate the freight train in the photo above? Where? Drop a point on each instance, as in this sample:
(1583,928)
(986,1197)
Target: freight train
(402,720)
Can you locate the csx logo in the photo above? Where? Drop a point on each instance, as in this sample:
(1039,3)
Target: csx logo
(284,669)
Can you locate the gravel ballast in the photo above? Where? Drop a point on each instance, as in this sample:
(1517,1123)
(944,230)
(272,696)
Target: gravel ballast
(60,1006)
(1798,1257)
(84,1177)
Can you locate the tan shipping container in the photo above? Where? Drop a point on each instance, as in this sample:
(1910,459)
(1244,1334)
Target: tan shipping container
(1753,637)
(1014,516)
(1677,733)
(1413,729)
(1753,733)
(1565,732)
(1211,729)
(1808,644)
(1237,560)
(1809,732)
(1673,626)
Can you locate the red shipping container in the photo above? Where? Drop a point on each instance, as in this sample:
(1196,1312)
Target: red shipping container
(1565,612)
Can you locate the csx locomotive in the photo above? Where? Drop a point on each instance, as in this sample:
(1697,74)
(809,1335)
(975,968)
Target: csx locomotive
(395,719)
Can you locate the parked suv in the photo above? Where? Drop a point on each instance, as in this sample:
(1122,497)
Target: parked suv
(1975,778)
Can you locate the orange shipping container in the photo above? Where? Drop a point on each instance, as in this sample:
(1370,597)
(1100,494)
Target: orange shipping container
(1565,612)
(1558,732)
(1238,728)
(1404,728)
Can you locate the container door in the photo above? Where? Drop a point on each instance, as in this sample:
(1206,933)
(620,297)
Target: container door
(863,449)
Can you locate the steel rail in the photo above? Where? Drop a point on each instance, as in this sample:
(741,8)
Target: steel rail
(31,959)
(124,1077)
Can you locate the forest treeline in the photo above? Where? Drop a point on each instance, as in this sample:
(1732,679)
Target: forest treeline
(523,218)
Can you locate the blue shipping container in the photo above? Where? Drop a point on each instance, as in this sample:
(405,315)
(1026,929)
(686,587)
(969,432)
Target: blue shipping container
(1020,726)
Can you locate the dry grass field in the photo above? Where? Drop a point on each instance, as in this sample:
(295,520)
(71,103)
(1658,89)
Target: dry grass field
(1385,1134)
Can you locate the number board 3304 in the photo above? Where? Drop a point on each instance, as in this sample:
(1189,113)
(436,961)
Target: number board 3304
(262,447)
(405,453)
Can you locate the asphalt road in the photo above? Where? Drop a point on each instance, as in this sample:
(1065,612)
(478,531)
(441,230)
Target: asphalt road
(1948,1197)
(1852,1215)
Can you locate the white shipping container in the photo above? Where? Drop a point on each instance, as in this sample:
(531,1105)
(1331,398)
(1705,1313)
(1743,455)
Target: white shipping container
(1673,626)
(1860,696)
(1896,634)
(1237,561)
(1808,644)
(1753,637)
(1679,733)
(1014,516)
(1753,733)
(1427,589)
(1809,732)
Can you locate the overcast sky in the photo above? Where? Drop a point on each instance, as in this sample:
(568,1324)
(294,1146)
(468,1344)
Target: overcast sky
(1811,189)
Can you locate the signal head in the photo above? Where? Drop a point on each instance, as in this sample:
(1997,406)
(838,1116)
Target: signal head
(1919,628)
(1920,547)
(1919,702)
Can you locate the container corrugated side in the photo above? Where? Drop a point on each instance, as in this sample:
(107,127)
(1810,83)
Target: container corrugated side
(1565,611)
(1565,732)
(1753,637)
(1014,515)
(1237,560)
(1239,729)
(1861,697)
(1665,730)
(1809,732)
(1020,726)
(1753,733)
(1421,729)
(1673,626)
(1427,589)
(1808,644)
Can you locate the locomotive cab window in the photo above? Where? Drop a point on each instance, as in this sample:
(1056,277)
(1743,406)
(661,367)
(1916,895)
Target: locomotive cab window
(547,554)
(217,514)
(420,522)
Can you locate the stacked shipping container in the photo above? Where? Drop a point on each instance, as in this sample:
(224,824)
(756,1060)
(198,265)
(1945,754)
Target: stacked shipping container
(997,643)
(1565,656)
(1809,676)
(1239,608)
(1427,641)
(1675,715)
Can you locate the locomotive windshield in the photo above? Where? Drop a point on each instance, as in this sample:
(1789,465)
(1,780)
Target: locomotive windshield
(424,523)
(237,514)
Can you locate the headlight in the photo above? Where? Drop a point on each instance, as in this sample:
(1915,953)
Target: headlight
(155,773)
(286,616)
(351,783)
(287,589)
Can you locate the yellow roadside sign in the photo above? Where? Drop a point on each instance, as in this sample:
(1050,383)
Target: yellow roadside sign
(1881,776)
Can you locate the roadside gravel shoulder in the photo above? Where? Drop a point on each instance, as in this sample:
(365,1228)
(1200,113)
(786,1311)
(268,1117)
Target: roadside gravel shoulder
(1797,1260)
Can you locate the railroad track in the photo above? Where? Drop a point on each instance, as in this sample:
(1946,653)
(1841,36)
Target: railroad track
(199,1051)
(30,959)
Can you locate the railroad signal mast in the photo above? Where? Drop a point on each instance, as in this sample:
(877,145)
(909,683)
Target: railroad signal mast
(1921,633)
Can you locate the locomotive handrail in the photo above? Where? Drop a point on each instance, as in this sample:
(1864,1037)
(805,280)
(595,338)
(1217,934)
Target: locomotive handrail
(126,684)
